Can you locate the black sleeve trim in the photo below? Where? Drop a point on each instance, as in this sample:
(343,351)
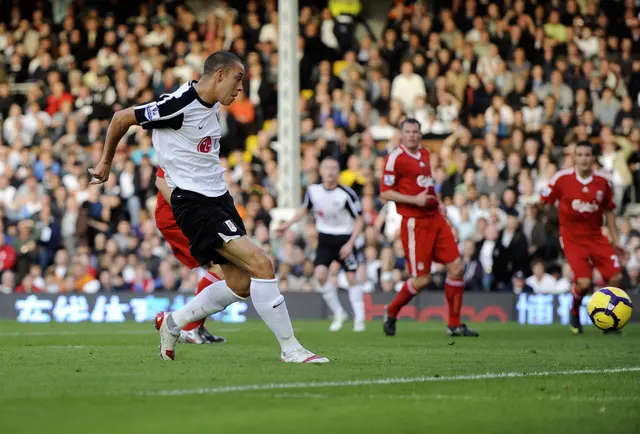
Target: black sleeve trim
(174,123)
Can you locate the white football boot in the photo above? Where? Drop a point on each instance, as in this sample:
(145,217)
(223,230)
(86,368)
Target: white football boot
(338,321)
(359,326)
(301,355)
(168,340)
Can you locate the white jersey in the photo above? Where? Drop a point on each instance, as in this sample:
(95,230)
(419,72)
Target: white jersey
(335,210)
(186,135)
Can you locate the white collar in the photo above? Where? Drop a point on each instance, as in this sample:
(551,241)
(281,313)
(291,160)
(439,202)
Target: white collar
(584,181)
(416,156)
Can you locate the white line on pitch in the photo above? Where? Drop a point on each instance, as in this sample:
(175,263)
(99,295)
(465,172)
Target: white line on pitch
(65,333)
(383,381)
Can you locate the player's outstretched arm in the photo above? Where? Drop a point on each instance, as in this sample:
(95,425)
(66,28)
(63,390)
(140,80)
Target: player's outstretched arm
(120,124)
(284,226)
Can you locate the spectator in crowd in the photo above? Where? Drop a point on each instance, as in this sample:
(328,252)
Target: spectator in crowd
(540,281)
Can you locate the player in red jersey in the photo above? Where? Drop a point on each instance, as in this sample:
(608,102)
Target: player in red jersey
(425,231)
(584,196)
(195,332)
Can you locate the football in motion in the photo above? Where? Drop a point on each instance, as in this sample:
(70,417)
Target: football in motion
(610,308)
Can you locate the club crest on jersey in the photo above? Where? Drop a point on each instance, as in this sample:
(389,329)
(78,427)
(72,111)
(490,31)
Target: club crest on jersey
(599,196)
(232,227)
(205,145)
(422,164)
(585,189)
(152,112)
(389,180)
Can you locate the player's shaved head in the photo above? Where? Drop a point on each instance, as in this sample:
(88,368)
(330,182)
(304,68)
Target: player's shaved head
(222,78)
(220,60)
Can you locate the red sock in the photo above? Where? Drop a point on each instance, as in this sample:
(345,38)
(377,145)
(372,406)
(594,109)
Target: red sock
(405,295)
(453,291)
(577,300)
(207,280)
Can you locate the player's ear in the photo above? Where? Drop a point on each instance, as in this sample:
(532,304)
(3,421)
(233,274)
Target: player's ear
(219,75)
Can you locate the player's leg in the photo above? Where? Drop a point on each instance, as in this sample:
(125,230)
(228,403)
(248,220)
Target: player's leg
(446,252)
(212,299)
(350,266)
(356,298)
(213,275)
(330,295)
(418,265)
(266,297)
(577,254)
(190,333)
(217,234)
(194,332)
(606,260)
(324,257)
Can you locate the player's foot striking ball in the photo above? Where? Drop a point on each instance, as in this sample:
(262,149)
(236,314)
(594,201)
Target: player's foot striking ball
(610,309)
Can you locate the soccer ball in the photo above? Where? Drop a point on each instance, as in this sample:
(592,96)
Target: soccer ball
(610,308)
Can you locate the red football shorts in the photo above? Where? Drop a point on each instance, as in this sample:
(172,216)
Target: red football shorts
(179,245)
(585,254)
(426,240)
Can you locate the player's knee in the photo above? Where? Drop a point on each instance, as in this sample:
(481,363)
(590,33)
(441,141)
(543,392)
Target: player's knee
(351,279)
(455,269)
(420,282)
(322,274)
(261,266)
(240,284)
(584,285)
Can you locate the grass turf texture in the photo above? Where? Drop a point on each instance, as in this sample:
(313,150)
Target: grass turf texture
(89,378)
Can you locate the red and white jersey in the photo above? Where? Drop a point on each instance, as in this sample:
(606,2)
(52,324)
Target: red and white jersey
(164,213)
(582,202)
(409,173)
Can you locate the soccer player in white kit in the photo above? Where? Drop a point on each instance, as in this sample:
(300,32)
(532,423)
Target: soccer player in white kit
(186,135)
(338,215)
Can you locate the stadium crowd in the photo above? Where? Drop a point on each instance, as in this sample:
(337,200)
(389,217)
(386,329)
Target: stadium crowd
(503,91)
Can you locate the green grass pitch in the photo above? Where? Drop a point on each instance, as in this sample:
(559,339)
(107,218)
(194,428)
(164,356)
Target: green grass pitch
(88,378)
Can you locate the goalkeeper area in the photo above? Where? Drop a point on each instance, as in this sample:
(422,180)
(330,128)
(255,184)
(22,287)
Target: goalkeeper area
(106,378)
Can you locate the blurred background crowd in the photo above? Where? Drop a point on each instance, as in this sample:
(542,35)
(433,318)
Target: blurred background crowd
(503,89)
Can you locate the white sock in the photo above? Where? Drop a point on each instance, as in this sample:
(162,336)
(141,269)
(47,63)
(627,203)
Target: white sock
(213,299)
(330,296)
(271,307)
(357,303)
